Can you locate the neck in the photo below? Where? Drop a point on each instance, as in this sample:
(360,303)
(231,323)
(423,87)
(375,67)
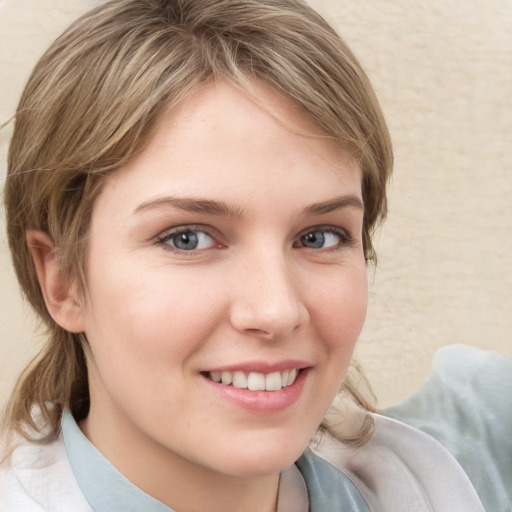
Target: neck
(173,480)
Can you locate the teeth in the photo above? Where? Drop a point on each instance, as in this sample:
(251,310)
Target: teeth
(240,380)
(256,381)
(292,375)
(226,378)
(273,381)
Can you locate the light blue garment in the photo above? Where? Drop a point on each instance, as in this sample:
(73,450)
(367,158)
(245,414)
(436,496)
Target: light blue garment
(107,490)
(104,488)
(466,404)
(329,489)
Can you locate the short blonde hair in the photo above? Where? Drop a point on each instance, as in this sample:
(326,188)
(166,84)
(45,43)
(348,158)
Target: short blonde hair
(95,99)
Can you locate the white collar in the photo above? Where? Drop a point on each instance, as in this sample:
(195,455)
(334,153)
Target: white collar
(402,469)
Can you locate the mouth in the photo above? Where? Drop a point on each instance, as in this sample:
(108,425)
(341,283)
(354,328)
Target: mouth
(255,381)
(259,387)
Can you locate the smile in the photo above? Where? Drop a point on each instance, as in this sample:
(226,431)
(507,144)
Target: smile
(255,381)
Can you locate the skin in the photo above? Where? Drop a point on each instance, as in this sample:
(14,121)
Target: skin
(255,290)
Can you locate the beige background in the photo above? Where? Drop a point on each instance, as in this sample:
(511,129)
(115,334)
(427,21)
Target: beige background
(443,72)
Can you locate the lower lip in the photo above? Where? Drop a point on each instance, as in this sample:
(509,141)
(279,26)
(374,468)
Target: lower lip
(262,401)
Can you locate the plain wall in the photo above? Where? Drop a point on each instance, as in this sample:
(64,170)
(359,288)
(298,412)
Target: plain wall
(442,70)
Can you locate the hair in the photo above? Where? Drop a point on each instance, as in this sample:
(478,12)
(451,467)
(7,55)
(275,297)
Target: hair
(95,99)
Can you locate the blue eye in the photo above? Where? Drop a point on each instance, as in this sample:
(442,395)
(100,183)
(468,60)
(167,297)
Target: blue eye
(188,240)
(324,239)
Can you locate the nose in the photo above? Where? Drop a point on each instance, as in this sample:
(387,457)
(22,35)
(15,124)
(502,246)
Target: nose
(266,301)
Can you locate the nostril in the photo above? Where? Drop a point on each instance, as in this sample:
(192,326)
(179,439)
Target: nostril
(262,333)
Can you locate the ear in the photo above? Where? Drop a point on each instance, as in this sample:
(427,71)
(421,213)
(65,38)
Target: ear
(58,292)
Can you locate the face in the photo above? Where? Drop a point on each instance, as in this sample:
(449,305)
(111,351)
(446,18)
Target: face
(226,288)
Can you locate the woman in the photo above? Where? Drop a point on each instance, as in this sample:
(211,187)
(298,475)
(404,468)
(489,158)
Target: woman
(199,183)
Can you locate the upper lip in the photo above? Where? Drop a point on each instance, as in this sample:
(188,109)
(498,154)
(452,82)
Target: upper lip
(262,366)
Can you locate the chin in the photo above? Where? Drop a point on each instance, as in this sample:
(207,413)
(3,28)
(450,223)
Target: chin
(260,459)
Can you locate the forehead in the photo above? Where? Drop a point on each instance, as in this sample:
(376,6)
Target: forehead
(222,140)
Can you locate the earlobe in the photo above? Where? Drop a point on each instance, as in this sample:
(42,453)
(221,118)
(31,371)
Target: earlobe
(58,292)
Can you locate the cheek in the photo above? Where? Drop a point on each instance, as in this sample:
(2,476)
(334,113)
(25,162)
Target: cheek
(143,334)
(340,311)
(337,312)
(151,317)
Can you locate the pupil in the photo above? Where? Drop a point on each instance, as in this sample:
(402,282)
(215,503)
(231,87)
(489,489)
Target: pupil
(315,240)
(186,241)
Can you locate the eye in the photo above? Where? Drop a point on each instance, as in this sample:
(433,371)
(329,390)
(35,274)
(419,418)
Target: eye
(324,238)
(187,239)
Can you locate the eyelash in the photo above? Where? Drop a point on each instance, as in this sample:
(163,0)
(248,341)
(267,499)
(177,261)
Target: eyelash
(345,240)
(167,236)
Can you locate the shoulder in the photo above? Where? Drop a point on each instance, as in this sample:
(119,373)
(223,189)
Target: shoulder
(400,457)
(464,383)
(466,404)
(36,477)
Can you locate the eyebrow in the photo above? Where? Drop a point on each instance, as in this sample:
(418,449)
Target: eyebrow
(211,207)
(207,206)
(338,203)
